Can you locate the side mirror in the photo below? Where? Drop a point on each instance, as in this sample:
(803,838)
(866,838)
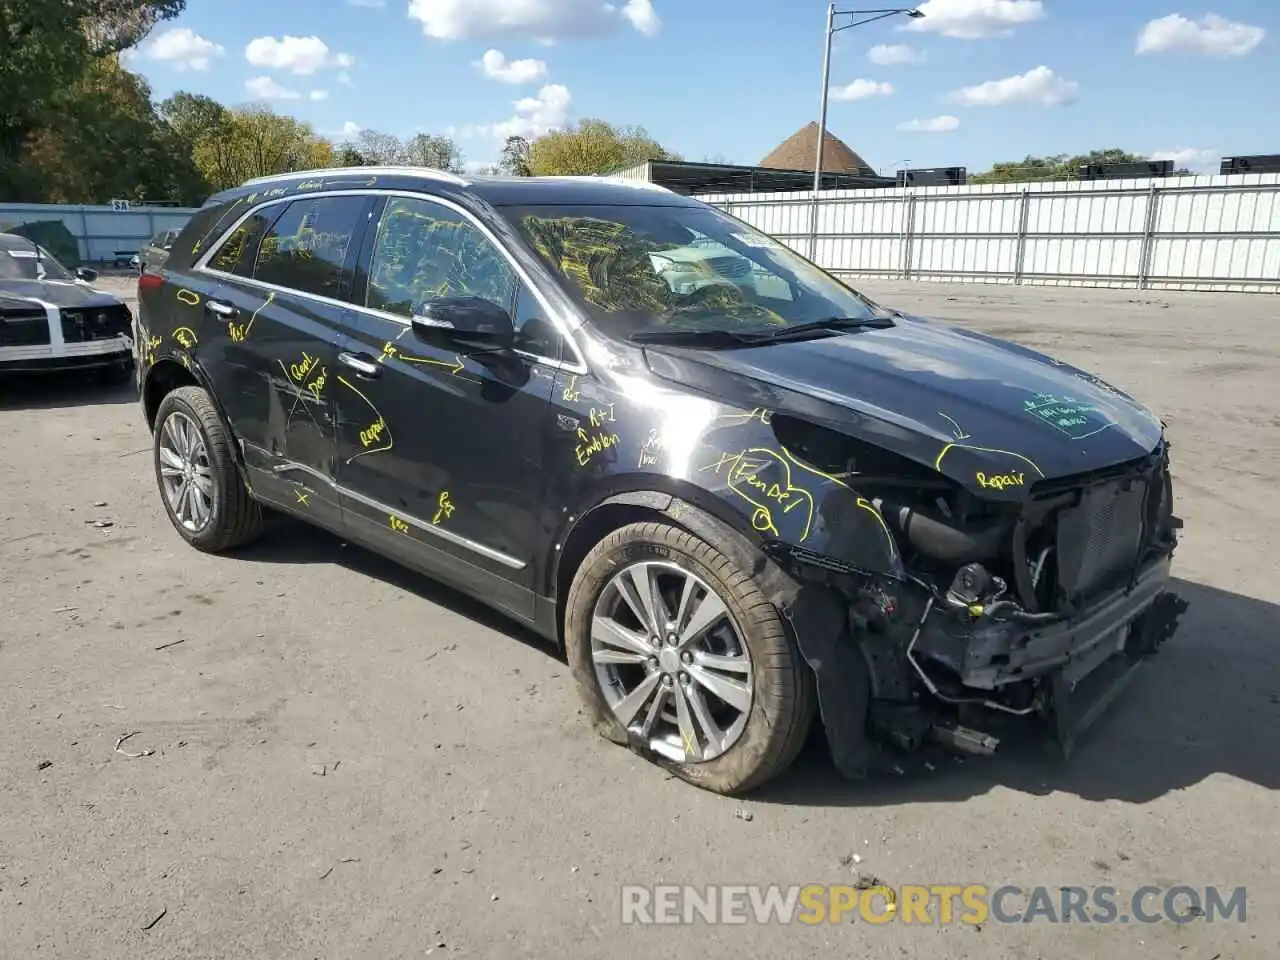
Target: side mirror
(86,274)
(470,321)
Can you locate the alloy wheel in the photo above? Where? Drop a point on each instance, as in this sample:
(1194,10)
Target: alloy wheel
(185,473)
(671,662)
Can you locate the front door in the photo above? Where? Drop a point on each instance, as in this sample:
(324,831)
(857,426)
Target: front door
(277,315)
(440,453)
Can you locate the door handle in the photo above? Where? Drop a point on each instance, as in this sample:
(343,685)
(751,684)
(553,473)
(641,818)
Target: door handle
(221,309)
(363,365)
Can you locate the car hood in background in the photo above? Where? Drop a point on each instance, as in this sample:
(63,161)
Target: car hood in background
(922,389)
(62,293)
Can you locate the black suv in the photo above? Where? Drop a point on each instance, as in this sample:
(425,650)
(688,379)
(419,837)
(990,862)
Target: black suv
(734,489)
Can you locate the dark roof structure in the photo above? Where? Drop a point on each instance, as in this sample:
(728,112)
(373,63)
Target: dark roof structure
(800,150)
(688,178)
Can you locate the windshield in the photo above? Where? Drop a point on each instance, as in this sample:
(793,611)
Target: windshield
(677,268)
(30,263)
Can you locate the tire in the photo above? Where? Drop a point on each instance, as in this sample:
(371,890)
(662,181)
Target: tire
(774,727)
(234,518)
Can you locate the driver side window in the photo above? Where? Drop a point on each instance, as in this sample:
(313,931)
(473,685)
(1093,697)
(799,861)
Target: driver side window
(424,251)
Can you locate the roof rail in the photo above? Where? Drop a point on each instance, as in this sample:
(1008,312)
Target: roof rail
(616,181)
(403,171)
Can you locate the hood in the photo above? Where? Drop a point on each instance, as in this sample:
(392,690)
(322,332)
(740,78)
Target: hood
(924,389)
(61,293)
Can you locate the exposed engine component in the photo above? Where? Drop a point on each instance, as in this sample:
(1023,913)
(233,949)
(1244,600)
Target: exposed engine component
(943,539)
(973,586)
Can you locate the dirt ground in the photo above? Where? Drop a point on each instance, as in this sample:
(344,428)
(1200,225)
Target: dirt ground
(349,760)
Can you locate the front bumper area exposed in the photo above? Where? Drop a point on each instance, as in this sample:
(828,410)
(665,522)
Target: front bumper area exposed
(999,653)
(889,683)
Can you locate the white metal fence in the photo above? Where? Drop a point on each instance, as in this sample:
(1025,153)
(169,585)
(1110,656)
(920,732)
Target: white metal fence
(1187,233)
(103,233)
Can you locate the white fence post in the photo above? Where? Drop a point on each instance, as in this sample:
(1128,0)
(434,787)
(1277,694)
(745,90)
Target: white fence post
(1024,214)
(1148,235)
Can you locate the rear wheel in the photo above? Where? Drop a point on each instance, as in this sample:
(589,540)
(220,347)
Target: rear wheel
(204,495)
(679,655)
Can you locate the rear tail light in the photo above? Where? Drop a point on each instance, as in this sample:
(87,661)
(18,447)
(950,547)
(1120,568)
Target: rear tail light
(150,281)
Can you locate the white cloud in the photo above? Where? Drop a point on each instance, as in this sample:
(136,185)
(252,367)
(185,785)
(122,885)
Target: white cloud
(534,116)
(496,66)
(318,95)
(544,21)
(1193,158)
(642,16)
(344,78)
(265,88)
(1039,86)
(975,19)
(1212,36)
(943,124)
(893,54)
(861,90)
(183,49)
(351,129)
(300,55)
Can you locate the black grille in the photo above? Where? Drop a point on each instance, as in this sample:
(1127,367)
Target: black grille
(82,324)
(1099,539)
(732,268)
(24,329)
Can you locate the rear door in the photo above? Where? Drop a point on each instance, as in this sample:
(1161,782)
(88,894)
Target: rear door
(273,322)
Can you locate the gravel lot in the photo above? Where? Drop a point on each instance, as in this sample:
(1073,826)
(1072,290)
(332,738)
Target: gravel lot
(350,760)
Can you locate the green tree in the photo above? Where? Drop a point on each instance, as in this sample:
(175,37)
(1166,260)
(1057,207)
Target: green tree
(349,156)
(106,141)
(515,157)
(46,48)
(1059,167)
(430,150)
(593,146)
(193,115)
(257,142)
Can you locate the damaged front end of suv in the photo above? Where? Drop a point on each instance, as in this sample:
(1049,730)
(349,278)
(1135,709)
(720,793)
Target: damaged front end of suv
(1009,595)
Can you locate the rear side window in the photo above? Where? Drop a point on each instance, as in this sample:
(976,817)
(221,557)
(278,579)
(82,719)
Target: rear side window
(306,248)
(237,252)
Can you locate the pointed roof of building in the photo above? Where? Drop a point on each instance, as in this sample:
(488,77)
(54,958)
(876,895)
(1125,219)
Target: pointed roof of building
(799,151)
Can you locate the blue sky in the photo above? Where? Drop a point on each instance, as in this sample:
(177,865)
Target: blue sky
(983,80)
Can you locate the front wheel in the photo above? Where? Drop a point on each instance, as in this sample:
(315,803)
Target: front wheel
(204,494)
(679,655)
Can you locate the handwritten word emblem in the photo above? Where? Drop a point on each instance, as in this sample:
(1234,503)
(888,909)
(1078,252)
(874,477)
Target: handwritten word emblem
(592,445)
(397,524)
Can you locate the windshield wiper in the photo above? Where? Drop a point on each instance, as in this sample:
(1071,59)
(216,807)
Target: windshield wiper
(756,338)
(803,331)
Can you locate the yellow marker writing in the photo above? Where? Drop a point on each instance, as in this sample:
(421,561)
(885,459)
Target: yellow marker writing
(444,507)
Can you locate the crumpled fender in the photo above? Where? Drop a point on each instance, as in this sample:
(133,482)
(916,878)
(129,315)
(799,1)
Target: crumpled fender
(819,622)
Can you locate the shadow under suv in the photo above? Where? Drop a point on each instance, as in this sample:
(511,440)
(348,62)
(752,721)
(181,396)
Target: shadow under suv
(734,489)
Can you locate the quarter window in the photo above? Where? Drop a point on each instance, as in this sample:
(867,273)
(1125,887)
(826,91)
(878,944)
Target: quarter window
(306,248)
(237,252)
(425,252)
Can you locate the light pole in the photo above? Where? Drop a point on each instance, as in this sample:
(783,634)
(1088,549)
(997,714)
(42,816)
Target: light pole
(867,16)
